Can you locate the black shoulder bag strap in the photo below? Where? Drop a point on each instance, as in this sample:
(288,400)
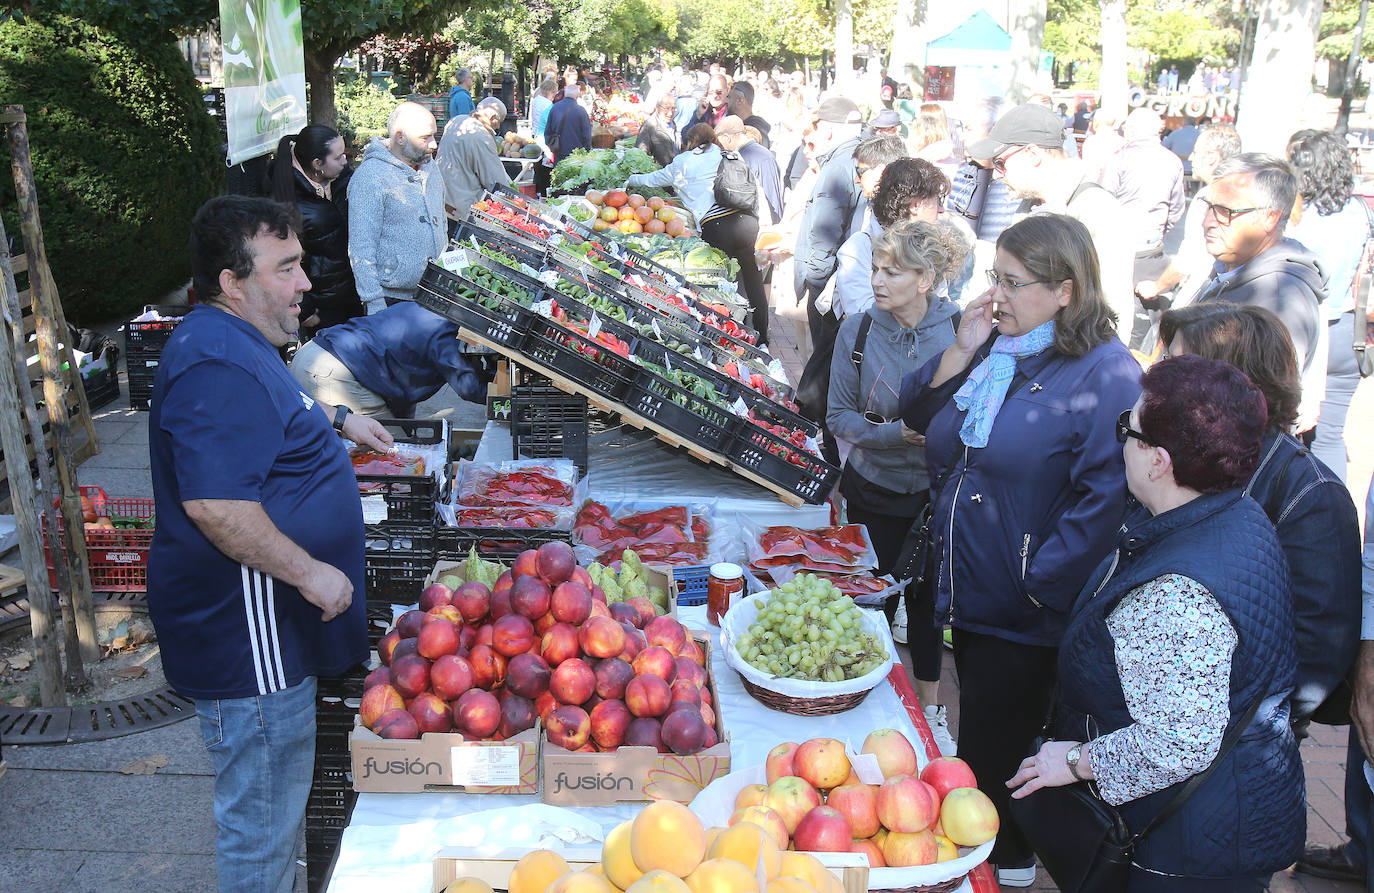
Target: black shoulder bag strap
(856,356)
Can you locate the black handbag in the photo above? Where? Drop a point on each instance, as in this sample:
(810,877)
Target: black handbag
(1083,841)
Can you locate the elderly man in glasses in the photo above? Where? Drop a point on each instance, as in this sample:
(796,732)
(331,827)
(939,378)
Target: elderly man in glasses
(1026,149)
(1247,208)
(658,134)
(712,108)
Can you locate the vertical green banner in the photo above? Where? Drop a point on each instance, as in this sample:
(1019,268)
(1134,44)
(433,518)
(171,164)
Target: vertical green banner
(264,74)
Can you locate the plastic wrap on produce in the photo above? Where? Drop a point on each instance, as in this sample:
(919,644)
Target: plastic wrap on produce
(848,558)
(697,514)
(435,455)
(557,479)
(786,572)
(736,623)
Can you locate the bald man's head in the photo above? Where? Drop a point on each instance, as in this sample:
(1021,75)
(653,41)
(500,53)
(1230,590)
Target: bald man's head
(410,132)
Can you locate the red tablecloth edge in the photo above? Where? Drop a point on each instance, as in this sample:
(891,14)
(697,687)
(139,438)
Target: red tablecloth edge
(982,878)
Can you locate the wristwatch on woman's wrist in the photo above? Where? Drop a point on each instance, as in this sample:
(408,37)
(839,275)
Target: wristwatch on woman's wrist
(1072,757)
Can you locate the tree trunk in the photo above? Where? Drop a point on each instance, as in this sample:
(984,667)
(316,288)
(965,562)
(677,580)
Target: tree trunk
(907,62)
(1027,27)
(1352,71)
(319,73)
(1280,76)
(844,45)
(1113,82)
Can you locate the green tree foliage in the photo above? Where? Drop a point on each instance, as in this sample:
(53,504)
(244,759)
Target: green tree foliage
(1336,37)
(1169,31)
(123,155)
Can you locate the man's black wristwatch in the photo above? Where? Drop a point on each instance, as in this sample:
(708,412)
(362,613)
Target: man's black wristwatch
(340,415)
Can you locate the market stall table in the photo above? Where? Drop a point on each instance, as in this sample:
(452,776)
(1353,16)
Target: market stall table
(392,838)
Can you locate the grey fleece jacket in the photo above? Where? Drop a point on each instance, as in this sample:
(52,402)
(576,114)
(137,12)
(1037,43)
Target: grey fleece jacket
(396,223)
(879,453)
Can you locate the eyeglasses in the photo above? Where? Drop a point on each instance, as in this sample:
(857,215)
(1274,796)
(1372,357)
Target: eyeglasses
(999,163)
(1225,215)
(1124,430)
(1010,285)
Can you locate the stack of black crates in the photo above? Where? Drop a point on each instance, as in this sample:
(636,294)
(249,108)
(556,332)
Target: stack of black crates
(331,793)
(143,344)
(546,423)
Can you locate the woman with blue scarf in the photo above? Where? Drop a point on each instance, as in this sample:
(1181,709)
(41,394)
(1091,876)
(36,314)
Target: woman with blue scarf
(1027,486)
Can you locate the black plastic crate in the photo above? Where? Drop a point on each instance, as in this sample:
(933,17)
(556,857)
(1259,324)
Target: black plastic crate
(321,851)
(782,463)
(153,335)
(681,412)
(453,297)
(409,498)
(546,425)
(473,234)
(397,560)
(494,543)
(536,240)
(581,360)
(102,387)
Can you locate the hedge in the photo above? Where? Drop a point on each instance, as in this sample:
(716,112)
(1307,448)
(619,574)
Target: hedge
(123,155)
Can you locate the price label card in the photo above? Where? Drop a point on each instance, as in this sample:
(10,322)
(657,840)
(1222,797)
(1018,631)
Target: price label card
(528,270)
(556,240)
(486,766)
(594,327)
(455,261)
(549,278)
(658,333)
(667,362)
(374,509)
(739,407)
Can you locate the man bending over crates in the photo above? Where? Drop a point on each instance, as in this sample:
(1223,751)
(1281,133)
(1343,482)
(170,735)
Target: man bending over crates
(384,364)
(259,542)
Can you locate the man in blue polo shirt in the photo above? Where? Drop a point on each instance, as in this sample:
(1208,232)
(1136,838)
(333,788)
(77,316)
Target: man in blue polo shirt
(259,543)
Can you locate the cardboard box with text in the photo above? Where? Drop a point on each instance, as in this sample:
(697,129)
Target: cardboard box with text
(445,762)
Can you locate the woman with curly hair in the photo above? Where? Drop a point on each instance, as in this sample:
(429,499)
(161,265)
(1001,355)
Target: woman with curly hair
(1333,225)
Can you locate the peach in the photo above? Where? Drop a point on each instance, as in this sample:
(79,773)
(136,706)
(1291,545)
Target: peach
(568,727)
(781,761)
(823,830)
(612,676)
(722,876)
(969,817)
(902,849)
(946,849)
(693,650)
(859,804)
(397,723)
(554,563)
(512,635)
(435,594)
(667,835)
(684,732)
(750,795)
(379,676)
(530,597)
(527,675)
(610,722)
(893,751)
(684,692)
(642,607)
(792,797)
(644,732)
(616,860)
(378,700)
(431,713)
(535,871)
(473,601)
(500,603)
(659,881)
(634,642)
(517,715)
(386,646)
(573,681)
(404,647)
(667,632)
(488,666)
(647,695)
(601,637)
(442,612)
(869,848)
(808,868)
(525,565)
(437,639)
(765,818)
(571,602)
(451,676)
(559,644)
(822,762)
(944,774)
(544,623)
(477,714)
(468,884)
(620,612)
(908,805)
(410,675)
(691,671)
(599,608)
(581,575)
(748,844)
(656,660)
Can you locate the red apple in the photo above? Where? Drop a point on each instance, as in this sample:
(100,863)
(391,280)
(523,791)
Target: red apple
(907,804)
(859,805)
(647,695)
(512,635)
(488,666)
(437,639)
(568,727)
(571,602)
(555,562)
(473,601)
(822,762)
(792,798)
(559,644)
(477,714)
(610,722)
(893,751)
(823,830)
(527,675)
(684,732)
(944,774)
(410,675)
(667,632)
(871,849)
(435,594)
(451,676)
(781,761)
(397,723)
(612,675)
(431,713)
(601,637)
(969,817)
(573,681)
(904,849)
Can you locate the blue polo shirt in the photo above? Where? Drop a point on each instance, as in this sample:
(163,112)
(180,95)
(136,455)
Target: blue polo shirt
(228,421)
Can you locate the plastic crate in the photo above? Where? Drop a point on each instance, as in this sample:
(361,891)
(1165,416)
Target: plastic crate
(398,557)
(321,850)
(579,359)
(118,558)
(102,387)
(153,335)
(691,584)
(409,498)
(494,543)
(776,460)
(472,233)
(681,412)
(548,424)
(456,298)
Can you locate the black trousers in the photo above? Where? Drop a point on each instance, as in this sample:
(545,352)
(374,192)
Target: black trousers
(735,234)
(542,176)
(813,388)
(1004,698)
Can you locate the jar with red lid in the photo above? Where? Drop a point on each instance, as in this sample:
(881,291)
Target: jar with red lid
(724,588)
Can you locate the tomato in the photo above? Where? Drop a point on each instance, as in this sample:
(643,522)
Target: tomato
(598,224)
(635,200)
(610,214)
(675,227)
(627,213)
(595,196)
(656,202)
(630,225)
(643,214)
(616,198)
(655,226)
(665,213)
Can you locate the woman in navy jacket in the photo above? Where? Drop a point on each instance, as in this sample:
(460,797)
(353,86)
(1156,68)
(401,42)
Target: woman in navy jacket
(1027,487)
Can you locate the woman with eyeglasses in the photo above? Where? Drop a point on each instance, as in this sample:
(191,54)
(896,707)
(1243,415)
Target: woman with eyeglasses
(1020,415)
(1183,635)
(1309,505)
(884,482)
(658,134)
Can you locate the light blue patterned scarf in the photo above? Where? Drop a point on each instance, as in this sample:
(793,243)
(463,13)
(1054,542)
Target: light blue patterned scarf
(986,387)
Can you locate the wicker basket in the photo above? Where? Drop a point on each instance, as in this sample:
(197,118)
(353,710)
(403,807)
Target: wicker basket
(823,706)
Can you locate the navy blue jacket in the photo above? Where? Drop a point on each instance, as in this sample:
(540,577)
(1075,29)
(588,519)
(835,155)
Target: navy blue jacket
(1249,817)
(567,129)
(1019,524)
(404,354)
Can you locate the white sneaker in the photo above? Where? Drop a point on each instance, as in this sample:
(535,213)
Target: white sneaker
(899,628)
(1016,877)
(938,720)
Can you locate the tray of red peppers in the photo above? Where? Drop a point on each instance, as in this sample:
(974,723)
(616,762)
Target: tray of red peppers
(845,549)
(521,494)
(673,535)
(601,364)
(496,214)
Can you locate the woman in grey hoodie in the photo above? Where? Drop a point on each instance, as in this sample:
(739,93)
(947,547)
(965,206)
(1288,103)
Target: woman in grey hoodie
(885,483)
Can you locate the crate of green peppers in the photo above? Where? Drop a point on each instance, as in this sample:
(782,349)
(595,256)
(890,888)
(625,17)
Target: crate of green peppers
(479,296)
(684,403)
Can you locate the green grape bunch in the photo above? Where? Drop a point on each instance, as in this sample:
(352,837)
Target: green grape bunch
(808,629)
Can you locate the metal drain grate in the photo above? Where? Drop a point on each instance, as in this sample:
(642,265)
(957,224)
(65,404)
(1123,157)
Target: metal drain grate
(35,725)
(111,719)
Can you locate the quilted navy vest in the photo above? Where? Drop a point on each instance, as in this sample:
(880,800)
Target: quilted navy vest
(1248,818)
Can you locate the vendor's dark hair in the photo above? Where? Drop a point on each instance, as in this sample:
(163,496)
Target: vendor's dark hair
(878,150)
(698,135)
(1326,175)
(904,181)
(1057,248)
(221,232)
(1250,338)
(1209,416)
(311,144)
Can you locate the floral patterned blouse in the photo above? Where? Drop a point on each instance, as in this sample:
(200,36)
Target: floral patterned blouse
(1173,648)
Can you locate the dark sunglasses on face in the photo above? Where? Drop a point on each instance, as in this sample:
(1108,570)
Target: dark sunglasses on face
(999,163)
(1124,430)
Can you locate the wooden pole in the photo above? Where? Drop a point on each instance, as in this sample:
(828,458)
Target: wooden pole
(44,298)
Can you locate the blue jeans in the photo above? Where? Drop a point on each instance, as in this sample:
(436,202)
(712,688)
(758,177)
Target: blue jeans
(263,749)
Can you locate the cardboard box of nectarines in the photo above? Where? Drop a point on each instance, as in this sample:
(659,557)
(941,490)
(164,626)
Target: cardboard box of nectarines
(616,752)
(446,762)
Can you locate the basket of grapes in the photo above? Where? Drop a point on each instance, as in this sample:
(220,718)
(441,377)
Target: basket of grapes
(806,648)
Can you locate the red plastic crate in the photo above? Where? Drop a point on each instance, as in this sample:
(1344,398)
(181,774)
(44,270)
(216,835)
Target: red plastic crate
(118,558)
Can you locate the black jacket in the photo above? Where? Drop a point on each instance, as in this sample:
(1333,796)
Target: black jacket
(324,237)
(660,141)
